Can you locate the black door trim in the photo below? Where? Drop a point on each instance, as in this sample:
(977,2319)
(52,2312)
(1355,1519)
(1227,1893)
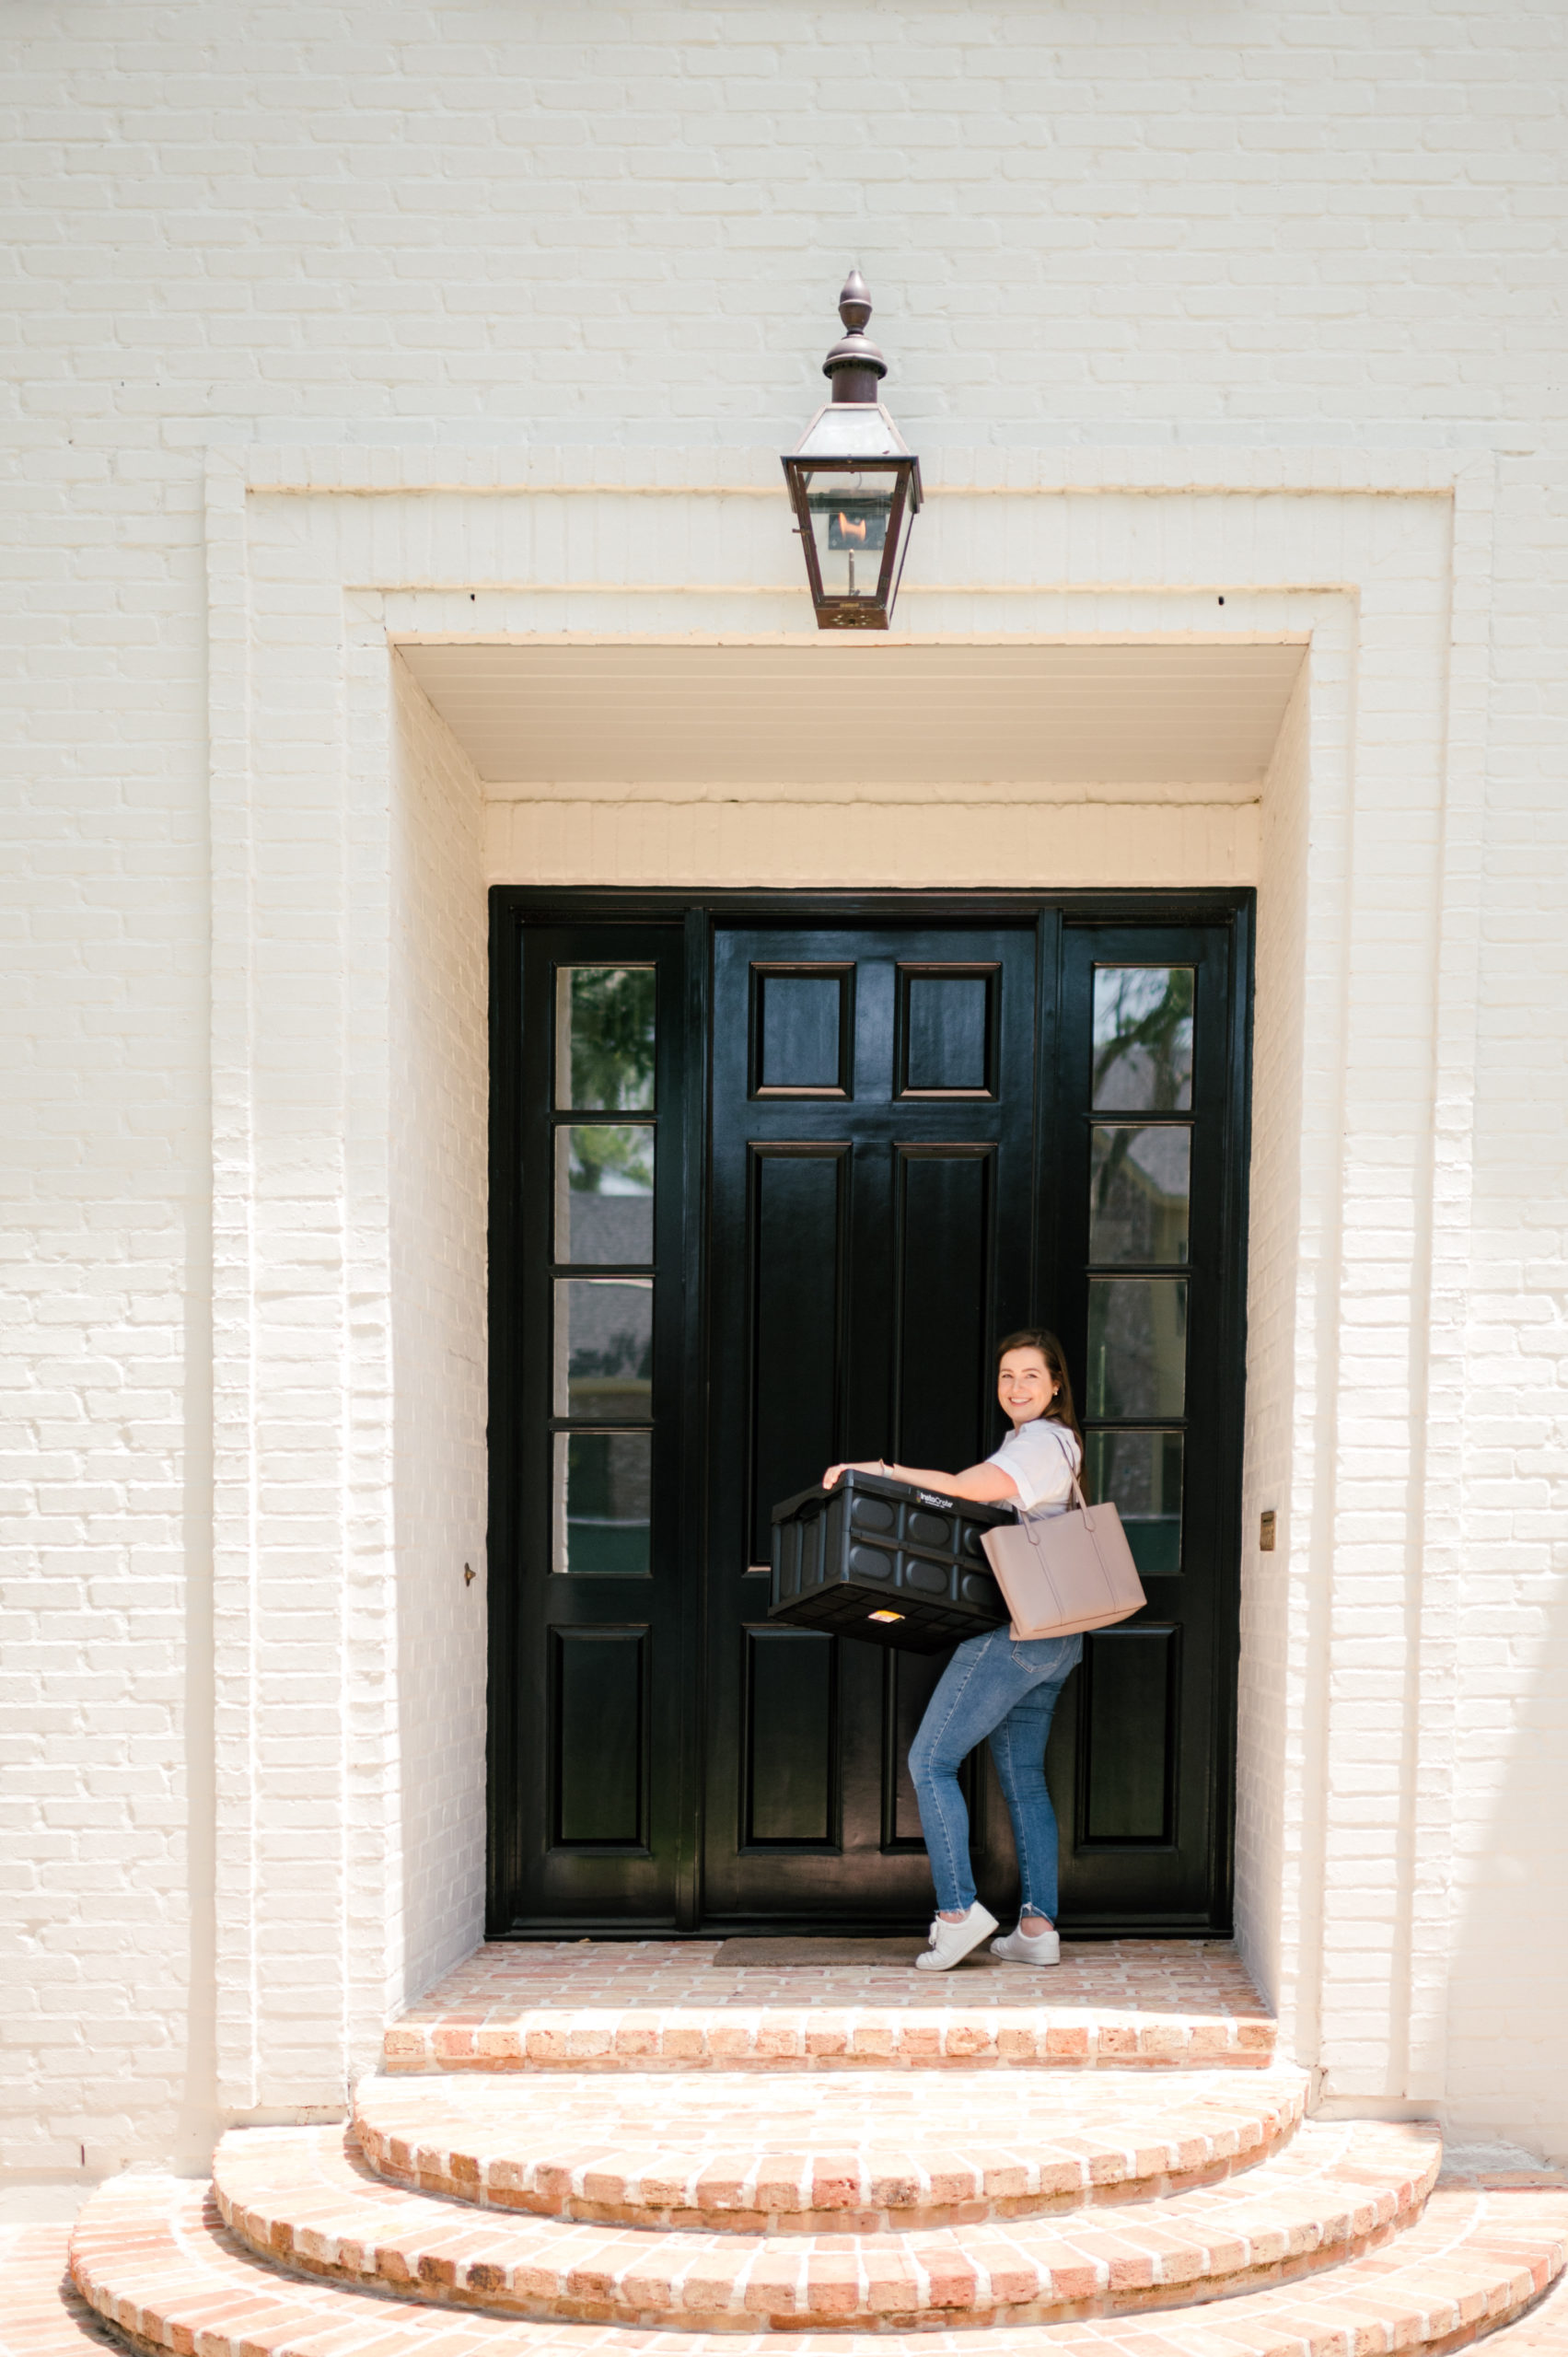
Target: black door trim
(574,903)
(696,912)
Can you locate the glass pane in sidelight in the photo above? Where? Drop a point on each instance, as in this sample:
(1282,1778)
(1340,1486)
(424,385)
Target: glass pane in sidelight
(604,1347)
(602,1523)
(1140,1473)
(1137,1346)
(1143,1042)
(1139,1189)
(604,1192)
(604,1038)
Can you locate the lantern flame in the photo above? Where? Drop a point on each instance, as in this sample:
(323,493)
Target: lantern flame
(849,531)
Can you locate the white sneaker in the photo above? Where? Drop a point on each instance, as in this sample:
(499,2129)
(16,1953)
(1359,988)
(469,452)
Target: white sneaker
(950,1942)
(1018,1947)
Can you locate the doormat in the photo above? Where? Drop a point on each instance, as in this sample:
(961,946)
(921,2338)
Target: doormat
(732,1952)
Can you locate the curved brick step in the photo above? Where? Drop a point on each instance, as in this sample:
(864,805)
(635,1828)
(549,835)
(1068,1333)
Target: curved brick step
(303,2198)
(664,2004)
(151,2255)
(823,2152)
(41,2312)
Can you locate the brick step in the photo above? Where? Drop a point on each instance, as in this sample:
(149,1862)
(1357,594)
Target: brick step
(41,2312)
(152,2255)
(303,2198)
(671,2004)
(818,2152)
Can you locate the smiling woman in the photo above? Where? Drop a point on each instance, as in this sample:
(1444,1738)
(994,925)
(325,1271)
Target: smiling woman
(998,1688)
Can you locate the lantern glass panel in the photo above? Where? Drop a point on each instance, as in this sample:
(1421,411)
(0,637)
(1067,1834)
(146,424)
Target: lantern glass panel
(850,515)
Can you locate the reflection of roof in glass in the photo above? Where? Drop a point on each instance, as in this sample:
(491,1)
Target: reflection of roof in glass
(1134,1079)
(1159,1158)
(611,1327)
(612,1226)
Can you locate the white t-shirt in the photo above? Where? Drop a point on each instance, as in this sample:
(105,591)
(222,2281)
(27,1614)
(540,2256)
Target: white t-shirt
(1041,1459)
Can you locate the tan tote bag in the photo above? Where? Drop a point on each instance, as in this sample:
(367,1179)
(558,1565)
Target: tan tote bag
(1062,1573)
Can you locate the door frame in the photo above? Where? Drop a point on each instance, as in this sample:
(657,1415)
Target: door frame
(514,907)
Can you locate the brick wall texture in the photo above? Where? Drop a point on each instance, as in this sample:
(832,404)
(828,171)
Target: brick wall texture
(621,227)
(440,1087)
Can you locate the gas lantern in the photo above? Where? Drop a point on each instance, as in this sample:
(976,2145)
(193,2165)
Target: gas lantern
(854,484)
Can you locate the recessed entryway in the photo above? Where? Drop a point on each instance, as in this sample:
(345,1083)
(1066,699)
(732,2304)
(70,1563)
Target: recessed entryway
(769,1178)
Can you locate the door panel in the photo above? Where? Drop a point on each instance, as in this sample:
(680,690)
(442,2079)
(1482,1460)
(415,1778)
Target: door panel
(767,1186)
(872,1173)
(798,1227)
(790,1767)
(1131,1705)
(600,1717)
(942,1238)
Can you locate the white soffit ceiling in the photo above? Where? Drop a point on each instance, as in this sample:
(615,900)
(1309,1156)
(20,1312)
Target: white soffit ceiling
(840,715)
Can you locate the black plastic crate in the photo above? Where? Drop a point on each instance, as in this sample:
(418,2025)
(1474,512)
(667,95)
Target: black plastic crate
(878,1560)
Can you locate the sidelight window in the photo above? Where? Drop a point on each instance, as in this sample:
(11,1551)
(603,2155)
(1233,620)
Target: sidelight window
(602,1221)
(1140,1190)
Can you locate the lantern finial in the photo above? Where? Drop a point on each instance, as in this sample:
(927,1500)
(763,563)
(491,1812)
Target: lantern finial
(855,367)
(854,303)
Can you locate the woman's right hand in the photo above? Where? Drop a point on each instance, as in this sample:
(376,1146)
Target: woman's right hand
(835,1473)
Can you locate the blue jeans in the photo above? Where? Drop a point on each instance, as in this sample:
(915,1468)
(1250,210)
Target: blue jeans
(1004,1688)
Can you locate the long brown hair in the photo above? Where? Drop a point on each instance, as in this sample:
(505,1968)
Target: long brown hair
(1060,1411)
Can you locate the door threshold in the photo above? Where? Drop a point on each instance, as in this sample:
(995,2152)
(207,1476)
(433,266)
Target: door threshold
(817,1927)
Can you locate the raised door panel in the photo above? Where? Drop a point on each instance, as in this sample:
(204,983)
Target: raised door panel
(598,1738)
(799,1196)
(945,1246)
(789,1769)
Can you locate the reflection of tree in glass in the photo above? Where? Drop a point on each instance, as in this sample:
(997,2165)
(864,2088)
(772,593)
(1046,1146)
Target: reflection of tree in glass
(601,1153)
(1143,1037)
(1137,1346)
(1139,1177)
(612,1037)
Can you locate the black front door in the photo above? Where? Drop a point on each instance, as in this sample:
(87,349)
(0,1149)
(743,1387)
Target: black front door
(769,1183)
(873,1162)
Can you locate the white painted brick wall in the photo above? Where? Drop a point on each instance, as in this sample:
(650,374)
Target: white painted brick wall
(440,1109)
(1507,2056)
(1269,1732)
(487,226)
(740,841)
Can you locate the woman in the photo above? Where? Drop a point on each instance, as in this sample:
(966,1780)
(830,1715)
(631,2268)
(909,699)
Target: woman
(998,1686)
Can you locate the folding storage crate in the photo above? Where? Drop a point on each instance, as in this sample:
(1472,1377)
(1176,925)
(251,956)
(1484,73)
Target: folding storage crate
(894,1566)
